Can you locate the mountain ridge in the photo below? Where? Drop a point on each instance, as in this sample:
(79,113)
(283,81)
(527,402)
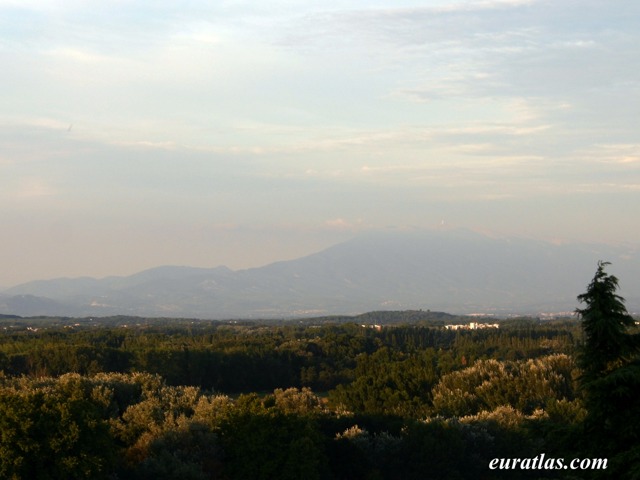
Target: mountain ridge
(449,270)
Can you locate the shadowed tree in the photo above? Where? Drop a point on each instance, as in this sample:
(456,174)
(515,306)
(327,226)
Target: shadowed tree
(611,375)
(605,322)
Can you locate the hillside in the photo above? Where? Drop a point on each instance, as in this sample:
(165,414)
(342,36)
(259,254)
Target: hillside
(453,270)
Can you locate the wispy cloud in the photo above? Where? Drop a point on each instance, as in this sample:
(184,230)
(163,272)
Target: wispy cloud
(34,187)
(625,154)
(158,117)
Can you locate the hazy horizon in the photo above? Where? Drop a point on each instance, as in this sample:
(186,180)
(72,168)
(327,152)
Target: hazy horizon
(140,134)
(442,230)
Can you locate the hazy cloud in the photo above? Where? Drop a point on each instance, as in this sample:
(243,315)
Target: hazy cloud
(183,121)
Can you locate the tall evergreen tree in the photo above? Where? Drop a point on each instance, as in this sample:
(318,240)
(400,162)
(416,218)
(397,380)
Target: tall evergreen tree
(611,377)
(605,323)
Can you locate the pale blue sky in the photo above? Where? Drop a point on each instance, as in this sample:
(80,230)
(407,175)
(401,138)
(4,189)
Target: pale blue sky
(141,133)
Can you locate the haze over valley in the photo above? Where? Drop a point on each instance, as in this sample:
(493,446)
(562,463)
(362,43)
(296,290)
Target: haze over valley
(457,271)
(136,135)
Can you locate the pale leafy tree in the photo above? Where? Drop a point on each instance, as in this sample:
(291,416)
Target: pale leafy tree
(297,401)
(489,384)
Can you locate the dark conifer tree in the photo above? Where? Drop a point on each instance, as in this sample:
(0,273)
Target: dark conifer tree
(605,323)
(611,377)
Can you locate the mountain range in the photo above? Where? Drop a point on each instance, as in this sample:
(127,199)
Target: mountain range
(458,271)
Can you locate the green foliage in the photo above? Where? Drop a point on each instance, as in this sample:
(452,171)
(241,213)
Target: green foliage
(488,384)
(269,444)
(389,382)
(145,401)
(186,450)
(236,358)
(611,381)
(297,401)
(53,431)
(142,428)
(605,322)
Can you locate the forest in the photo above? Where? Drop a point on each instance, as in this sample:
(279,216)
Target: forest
(386,395)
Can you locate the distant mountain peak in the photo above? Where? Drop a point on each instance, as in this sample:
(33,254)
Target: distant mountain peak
(454,270)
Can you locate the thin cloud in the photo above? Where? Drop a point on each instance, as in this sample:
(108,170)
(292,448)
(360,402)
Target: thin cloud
(313,116)
(625,154)
(31,188)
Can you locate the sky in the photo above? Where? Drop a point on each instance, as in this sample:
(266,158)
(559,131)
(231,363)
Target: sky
(135,134)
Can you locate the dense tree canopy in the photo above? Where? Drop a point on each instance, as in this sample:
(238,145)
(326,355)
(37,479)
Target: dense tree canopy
(137,399)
